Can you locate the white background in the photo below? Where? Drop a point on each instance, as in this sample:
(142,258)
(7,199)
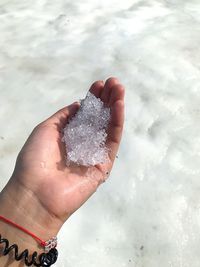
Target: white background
(148,213)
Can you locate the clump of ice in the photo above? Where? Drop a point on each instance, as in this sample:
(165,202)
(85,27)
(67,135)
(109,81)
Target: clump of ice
(85,134)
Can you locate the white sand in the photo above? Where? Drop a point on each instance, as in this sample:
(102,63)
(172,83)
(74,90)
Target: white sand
(148,213)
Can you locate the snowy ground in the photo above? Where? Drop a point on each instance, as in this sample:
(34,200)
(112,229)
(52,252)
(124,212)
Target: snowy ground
(148,213)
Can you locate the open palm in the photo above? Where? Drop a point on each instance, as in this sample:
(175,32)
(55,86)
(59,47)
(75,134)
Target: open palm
(41,165)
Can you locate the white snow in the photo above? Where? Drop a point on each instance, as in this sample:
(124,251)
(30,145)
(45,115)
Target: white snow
(147,214)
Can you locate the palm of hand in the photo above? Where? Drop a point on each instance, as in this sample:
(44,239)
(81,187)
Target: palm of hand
(41,166)
(59,188)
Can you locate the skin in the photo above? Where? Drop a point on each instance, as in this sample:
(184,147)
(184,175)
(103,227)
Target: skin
(43,192)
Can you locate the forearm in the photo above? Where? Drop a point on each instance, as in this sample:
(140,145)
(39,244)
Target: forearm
(22,207)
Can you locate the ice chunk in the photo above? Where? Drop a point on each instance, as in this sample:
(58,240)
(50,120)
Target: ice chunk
(85,134)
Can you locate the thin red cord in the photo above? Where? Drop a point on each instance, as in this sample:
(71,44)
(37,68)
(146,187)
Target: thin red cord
(42,242)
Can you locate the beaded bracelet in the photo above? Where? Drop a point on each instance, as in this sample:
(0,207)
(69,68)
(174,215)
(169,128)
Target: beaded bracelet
(45,259)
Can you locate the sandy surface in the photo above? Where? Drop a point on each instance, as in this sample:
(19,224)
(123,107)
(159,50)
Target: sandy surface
(148,213)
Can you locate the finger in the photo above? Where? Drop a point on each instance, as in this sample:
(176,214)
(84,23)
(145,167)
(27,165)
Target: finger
(115,128)
(61,117)
(106,92)
(96,88)
(117,93)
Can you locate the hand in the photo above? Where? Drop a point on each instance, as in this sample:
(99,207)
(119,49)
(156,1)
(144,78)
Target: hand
(41,175)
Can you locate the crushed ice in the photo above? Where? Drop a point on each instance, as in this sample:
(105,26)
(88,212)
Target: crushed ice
(85,134)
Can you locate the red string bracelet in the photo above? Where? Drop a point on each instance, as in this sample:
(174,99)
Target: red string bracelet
(51,243)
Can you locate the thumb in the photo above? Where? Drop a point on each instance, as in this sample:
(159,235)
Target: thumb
(61,117)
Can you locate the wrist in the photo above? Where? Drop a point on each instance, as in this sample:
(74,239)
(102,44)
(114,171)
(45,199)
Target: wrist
(21,206)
